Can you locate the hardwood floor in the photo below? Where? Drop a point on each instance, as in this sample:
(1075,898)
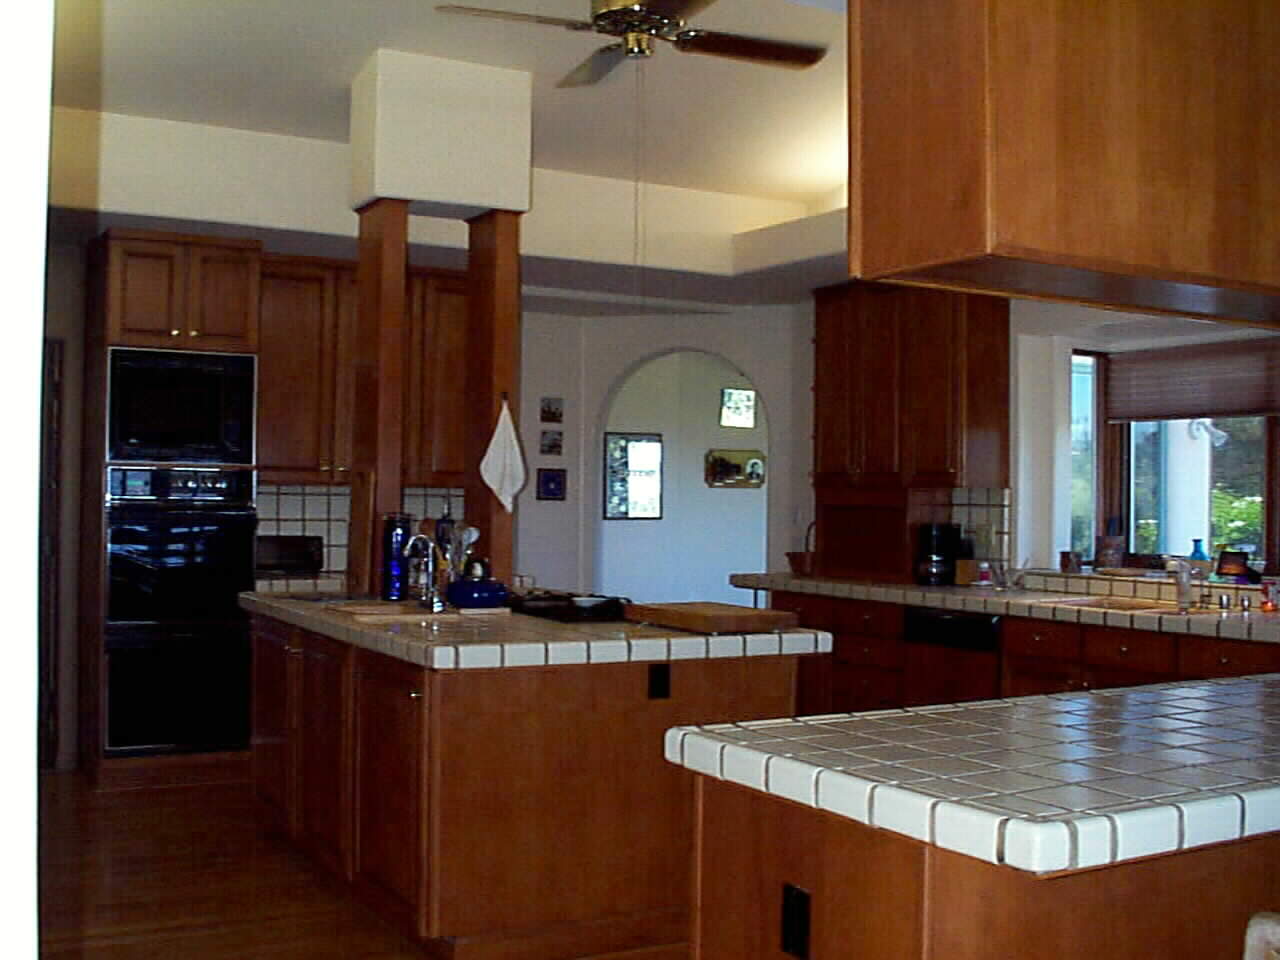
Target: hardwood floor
(187,873)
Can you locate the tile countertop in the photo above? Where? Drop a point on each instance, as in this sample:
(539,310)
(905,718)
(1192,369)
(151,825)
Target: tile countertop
(1037,601)
(1042,784)
(516,640)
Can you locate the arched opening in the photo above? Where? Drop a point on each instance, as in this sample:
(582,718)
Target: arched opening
(709,521)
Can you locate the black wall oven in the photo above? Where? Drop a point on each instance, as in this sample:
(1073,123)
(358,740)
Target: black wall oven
(170,406)
(180,545)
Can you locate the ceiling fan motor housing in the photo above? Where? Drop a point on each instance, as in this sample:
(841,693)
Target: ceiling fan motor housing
(618,19)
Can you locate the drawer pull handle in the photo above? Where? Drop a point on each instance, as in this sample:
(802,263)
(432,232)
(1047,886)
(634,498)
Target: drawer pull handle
(174,333)
(415,695)
(1124,649)
(1224,660)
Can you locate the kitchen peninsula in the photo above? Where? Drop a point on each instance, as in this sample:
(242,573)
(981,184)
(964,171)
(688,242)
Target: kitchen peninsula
(495,783)
(1126,823)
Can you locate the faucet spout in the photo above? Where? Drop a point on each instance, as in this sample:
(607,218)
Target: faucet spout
(1180,567)
(423,577)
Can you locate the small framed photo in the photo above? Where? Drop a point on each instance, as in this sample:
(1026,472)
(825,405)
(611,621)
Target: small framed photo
(551,483)
(552,410)
(551,443)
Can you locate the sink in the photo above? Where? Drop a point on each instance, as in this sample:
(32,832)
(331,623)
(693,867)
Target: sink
(422,616)
(1113,603)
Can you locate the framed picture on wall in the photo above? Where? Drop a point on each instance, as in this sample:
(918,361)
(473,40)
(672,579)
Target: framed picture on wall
(551,410)
(552,483)
(551,443)
(735,468)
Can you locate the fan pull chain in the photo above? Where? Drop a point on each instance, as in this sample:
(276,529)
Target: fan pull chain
(637,228)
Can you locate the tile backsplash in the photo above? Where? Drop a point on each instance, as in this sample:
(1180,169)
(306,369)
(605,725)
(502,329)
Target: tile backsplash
(983,515)
(325,511)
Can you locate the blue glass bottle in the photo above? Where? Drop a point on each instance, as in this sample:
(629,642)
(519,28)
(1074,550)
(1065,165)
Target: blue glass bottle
(397,528)
(1197,550)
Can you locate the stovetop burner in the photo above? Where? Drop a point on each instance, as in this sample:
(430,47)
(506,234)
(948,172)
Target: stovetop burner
(569,607)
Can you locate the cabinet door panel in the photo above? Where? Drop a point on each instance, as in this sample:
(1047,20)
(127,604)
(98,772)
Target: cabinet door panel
(435,401)
(877,388)
(389,813)
(324,752)
(1033,637)
(146,293)
(1200,657)
(933,356)
(272,741)
(295,373)
(344,381)
(864,688)
(1028,676)
(222,298)
(833,401)
(1143,651)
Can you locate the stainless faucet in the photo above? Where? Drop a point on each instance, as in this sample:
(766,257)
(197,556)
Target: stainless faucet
(1181,569)
(422,575)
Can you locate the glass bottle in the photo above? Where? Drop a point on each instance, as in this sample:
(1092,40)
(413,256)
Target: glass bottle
(1197,550)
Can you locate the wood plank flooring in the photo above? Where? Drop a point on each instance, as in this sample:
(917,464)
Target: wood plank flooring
(187,873)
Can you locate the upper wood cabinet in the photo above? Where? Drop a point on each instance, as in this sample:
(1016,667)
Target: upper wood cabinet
(435,393)
(305,377)
(176,292)
(1115,153)
(911,389)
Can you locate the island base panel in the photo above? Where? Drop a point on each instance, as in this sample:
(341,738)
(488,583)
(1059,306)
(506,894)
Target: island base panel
(877,895)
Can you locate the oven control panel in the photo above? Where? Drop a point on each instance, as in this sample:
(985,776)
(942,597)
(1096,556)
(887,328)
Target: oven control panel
(179,484)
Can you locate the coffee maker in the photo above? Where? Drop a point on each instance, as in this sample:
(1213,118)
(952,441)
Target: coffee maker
(937,546)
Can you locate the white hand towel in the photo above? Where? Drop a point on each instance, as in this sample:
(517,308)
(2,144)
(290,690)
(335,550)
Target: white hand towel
(503,465)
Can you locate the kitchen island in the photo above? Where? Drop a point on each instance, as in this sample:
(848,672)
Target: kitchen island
(495,783)
(1127,823)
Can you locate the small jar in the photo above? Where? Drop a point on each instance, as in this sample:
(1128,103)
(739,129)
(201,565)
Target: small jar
(984,573)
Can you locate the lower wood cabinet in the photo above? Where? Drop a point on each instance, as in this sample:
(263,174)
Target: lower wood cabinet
(526,812)
(388,779)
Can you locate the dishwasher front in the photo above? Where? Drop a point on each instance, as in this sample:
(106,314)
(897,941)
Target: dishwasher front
(950,656)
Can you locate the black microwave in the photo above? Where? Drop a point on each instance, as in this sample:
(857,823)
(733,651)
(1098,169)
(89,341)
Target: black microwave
(175,406)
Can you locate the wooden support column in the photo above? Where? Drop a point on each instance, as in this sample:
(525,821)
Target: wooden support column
(378,416)
(493,370)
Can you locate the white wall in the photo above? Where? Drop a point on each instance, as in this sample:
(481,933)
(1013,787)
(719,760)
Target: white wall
(705,533)
(586,359)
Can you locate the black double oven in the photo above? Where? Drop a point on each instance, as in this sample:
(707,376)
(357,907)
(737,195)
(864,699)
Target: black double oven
(180,523)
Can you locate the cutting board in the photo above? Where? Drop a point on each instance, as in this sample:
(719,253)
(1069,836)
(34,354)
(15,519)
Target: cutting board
(710,617)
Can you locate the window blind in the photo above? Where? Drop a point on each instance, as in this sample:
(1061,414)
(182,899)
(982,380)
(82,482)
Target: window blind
(1235,379)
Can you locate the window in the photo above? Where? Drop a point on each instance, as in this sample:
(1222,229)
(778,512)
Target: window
(1084,453)
(1164,454)
(632,476)
(1197,479)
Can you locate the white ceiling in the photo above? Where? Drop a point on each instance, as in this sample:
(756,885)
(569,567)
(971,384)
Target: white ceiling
(285,66)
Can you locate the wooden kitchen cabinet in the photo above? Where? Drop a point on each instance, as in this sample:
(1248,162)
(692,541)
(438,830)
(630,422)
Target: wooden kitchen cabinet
(324,751)
(273,743)
(911,389)
(1069,152)
(1040,656)
(180,292)
(865,669)
(388,781)
(305,373)
(436,392)
(1120,657)
(1203,657)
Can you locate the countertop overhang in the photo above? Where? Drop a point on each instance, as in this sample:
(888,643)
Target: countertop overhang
(514,640)
(1043,784)
(1041,600)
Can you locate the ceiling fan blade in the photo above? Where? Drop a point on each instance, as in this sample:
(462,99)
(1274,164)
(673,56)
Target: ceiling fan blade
(682,10)
(775,52)
(518,17)
(596,67)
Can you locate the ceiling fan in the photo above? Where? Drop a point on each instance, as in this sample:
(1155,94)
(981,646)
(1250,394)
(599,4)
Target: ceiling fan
(638,24)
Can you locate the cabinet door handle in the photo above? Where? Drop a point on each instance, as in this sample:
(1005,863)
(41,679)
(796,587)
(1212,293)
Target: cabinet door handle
(193,333)
(175,333)
(1036,638)
(342,469)
(1224,660)
(1124,649)
(324,465)
(415,695)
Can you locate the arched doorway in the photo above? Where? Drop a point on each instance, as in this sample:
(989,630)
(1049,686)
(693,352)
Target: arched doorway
(705,528)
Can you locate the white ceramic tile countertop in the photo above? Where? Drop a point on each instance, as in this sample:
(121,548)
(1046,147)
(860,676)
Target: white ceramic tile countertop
(1043,784)
(1038,601)
(516,640)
